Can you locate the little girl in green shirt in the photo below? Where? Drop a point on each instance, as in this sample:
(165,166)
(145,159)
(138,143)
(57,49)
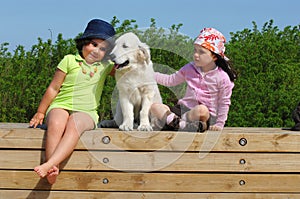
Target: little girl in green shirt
(71,100)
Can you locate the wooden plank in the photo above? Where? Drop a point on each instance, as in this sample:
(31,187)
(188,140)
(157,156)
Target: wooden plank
(158,161)
(29,194)
(255,140)
(8,125)
(153,182)
(233,163)
(21,138)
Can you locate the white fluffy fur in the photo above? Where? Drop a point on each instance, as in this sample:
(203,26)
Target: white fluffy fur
(135,82)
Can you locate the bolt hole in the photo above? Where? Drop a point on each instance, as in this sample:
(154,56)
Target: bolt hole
(243,141)
(105,181)
(242,182)
(105,160)
(106,139)
(242,161)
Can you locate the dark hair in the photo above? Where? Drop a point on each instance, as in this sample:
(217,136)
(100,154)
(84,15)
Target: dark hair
(82,42)
(225,65)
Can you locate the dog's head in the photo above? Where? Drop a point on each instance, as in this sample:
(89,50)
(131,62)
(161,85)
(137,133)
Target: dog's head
(129,49)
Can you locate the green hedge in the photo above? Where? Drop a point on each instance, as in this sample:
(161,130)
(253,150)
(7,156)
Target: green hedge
(268,87)
(265,93)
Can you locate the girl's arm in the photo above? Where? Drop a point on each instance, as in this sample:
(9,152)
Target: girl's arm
(224,102)
(176,78)
(169,80)
(48,97)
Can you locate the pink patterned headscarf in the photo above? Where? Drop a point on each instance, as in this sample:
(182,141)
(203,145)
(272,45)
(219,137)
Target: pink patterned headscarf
(212,40)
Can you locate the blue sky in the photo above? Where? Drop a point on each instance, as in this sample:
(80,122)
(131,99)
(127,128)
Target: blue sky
(22,22)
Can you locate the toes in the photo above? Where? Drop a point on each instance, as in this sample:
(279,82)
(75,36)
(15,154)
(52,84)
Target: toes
(51,177)
(40,172)
(145,128)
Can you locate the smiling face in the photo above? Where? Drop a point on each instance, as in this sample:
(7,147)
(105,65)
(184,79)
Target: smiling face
(204,58)
(95,50)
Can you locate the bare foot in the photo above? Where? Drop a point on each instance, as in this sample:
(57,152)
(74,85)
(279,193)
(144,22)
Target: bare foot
(52,175)
(42,170)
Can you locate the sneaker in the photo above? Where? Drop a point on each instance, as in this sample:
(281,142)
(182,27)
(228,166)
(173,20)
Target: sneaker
(158,124)
(203,126)
(174,124)
(196,126)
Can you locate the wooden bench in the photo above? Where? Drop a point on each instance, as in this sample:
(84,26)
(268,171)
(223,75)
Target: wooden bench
(235,163)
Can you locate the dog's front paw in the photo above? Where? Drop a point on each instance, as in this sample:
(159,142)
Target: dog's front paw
(144,127)
(125,127)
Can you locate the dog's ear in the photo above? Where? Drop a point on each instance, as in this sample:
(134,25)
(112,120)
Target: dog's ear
(143,53)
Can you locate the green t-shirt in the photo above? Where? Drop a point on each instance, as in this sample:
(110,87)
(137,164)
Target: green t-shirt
(80,90)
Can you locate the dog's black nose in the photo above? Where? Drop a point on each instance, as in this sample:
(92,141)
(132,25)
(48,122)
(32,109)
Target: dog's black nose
(112,56)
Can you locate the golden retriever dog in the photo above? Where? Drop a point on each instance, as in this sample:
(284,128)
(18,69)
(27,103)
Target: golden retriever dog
(136,84)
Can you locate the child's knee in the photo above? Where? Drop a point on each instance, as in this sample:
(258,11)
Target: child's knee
(158,110)
(202,112)
(158,106)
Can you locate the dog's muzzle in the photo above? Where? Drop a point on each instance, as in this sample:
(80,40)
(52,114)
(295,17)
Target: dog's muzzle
(119,66)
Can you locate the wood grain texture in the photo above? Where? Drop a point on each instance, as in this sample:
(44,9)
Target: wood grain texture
(36,194)
(107,163)
(257,140)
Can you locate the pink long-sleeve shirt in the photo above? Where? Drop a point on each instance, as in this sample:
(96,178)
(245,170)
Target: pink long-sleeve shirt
(213,89)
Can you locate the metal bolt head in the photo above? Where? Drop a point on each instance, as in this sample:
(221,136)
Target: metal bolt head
(105,181)
(105,160)
(243,141)
(106,139)
(242,182)
(242,161)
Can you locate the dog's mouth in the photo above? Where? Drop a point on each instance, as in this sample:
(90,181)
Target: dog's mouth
(119,66)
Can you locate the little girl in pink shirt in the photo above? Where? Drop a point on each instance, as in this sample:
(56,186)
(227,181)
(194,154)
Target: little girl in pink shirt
(209,81)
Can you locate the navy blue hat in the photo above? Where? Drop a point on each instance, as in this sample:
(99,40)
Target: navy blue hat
(99,29)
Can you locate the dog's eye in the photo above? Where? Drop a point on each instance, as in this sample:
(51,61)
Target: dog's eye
(124,46)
